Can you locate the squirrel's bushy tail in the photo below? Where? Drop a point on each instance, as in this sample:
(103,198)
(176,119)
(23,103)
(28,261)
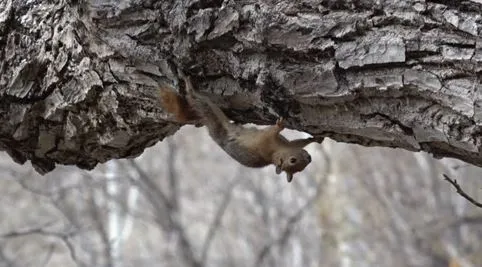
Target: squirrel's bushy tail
(178,106)
(195,108)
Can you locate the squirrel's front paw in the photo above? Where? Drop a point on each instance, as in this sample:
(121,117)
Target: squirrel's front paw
(318,140)
(280,123)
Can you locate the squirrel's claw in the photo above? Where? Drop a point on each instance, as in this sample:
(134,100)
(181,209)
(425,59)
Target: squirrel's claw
(280,123)
(319,140)
(289,177)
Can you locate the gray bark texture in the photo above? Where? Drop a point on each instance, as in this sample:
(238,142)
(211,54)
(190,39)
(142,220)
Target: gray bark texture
(79,80)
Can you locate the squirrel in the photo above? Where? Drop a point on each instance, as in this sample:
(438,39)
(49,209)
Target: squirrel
(249,146)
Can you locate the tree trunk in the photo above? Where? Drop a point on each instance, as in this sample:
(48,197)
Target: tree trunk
(79,79)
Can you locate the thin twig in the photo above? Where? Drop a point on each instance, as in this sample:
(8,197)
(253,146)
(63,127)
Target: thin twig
(154,192)
(290,224)
(48,256)
(461,192)
(64,237)
(172,175)
(286,233)
(216,223)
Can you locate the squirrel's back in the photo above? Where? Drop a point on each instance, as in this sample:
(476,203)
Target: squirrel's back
(249,146)
(221,130)
(244,155)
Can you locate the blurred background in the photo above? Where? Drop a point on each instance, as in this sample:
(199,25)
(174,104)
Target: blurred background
(184,202)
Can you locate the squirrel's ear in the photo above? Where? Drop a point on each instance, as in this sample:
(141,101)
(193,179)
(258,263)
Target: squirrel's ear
(289,177)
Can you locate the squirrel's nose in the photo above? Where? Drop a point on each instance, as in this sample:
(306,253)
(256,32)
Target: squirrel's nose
(309,158)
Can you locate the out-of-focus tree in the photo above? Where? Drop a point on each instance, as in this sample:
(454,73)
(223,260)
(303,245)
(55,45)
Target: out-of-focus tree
(185,203)
(398,211)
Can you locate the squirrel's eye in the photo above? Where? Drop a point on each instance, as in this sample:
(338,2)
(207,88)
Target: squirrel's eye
(292,160)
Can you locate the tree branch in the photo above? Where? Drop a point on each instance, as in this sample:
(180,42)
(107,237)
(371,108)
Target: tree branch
(169,213)
(461,192)
(216,223)
(64,237)
(82,87)
(297,216)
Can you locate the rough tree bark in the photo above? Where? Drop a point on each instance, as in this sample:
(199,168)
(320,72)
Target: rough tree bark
(79,79)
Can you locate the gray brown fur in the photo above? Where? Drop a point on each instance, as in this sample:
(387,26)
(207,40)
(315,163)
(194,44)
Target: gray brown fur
(244,156)
(222,131)
(250,146)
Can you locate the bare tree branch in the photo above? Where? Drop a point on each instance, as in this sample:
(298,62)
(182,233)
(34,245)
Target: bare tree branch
(48,255)
(215,225)
(434,227)
(64,237)
(288,229)
(4,259)
(461,192)
(172,175)
(154,193)
(296,217)
(147,184)
(96,204)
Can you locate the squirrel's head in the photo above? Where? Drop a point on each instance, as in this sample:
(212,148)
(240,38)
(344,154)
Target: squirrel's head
(292,161)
